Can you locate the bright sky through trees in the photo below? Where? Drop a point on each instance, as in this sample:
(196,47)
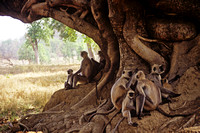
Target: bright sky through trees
(11,28)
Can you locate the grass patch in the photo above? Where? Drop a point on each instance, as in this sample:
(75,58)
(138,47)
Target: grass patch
(26,89)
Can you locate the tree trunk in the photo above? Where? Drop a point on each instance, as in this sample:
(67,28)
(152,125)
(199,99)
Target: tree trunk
(91,55)
(37,58)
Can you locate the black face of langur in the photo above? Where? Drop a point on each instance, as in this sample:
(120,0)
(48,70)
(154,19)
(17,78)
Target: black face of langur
(131,94)
(70,71)
(159,69)
(84,54)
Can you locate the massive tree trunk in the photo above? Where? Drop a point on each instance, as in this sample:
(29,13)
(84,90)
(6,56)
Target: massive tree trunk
(131,34)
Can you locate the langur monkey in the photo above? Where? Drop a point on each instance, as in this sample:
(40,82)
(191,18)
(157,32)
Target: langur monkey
(155,77)
(118,91)
(84,74)
(146,90)
(120,88)
(68,83)
(128,105)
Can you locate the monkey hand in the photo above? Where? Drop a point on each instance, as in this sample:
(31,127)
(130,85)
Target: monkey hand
(133,124)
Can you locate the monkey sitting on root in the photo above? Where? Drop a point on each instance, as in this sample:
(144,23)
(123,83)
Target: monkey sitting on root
(146,88)
(88,70)
(84,74)
(155,76)
(68,83)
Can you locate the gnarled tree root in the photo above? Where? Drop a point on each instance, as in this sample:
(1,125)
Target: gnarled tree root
(185,54)
(134,42)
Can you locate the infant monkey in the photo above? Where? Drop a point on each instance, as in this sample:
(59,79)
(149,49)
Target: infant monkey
(68,83)
(128,105)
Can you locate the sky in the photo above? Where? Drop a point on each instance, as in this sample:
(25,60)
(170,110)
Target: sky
(11,28)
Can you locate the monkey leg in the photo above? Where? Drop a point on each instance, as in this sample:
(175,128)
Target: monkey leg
(171,94)
(140,100)
(79,79)
(127,115)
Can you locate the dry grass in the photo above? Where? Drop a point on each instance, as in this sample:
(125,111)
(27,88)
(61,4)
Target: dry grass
(26,89)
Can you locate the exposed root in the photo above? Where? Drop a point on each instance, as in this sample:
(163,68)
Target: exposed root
(190,122)
(73,130)
(27,128)
(134,42)
(152,40)
(185,54)
(170,121)
(83,117)
(102,113)
(110,121)
(43,113)
(171,109)
(117,125)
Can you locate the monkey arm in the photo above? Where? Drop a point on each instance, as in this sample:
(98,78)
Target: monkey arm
(130,82)
(77,72)
(140,99)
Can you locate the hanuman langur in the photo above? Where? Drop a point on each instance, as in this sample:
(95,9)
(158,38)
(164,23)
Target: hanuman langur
(155,77)
(68,83)
(118,91)
(120,88)
(146,90)
(84,74)
(128,105)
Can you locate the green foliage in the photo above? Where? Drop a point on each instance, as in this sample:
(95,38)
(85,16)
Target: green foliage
(26,53)
(39,30)
(66,33)
(91,43)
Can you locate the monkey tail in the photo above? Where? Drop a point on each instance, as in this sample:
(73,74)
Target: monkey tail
(102,113)
(97,81)
(174,115)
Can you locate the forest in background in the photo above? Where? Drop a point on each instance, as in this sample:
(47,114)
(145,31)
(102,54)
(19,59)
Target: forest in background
(57,44)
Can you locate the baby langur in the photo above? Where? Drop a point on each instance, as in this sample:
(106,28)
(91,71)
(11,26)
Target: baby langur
(68,83)
(128,105)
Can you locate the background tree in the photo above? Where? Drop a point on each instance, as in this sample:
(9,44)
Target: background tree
(37,31)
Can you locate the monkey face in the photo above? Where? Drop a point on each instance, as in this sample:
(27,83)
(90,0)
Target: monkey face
(127,73)
(140,75)
(131,94)
(84,54)
(70,71)
(164,81)
(159,69)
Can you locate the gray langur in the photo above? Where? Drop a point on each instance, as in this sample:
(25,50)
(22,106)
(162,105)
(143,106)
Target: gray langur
(155,77)
(84,74)
(148,96)
(68,83)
